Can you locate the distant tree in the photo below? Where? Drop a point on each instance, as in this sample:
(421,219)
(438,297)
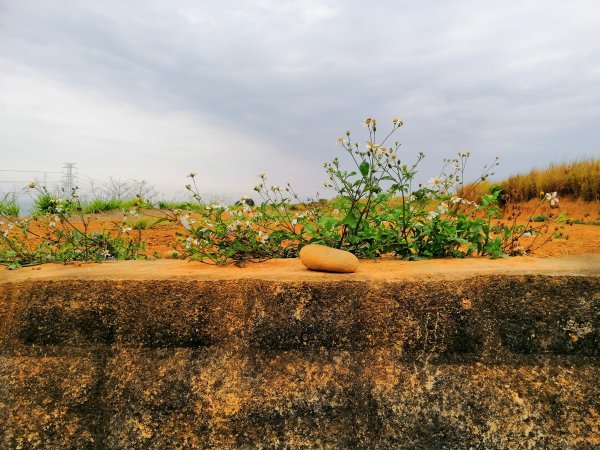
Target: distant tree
(118,189)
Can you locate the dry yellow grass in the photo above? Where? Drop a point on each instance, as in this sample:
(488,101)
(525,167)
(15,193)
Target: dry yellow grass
(577,179)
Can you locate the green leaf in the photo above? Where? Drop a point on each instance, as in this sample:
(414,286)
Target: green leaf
(350,219)
(327,222)
(364,168)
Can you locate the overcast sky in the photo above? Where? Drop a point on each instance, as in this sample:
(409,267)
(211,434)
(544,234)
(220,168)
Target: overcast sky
(154,89)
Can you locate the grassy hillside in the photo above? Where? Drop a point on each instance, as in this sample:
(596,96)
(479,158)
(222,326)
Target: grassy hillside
(579,179)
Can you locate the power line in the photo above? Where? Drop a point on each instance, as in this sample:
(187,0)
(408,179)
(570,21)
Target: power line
(29,171)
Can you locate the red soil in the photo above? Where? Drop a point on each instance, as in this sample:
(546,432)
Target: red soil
(579,238)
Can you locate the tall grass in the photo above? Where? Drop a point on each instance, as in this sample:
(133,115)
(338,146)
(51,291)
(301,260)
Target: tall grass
(580,179)
(99,205)
(9,206)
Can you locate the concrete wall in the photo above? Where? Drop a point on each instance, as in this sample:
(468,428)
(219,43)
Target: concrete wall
(489,361)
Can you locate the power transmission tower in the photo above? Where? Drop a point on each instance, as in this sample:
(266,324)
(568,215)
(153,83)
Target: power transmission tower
(68,178)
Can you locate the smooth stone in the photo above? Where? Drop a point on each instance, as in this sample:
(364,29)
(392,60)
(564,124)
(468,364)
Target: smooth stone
(327,259)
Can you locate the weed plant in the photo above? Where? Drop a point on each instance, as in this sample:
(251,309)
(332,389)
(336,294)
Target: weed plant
(377,210)
(240,233)
(60,232)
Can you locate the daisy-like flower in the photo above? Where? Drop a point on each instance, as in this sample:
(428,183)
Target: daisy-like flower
(31,185)
(191,174)
(434,181)
(456,199)
(552,198)
(432,214)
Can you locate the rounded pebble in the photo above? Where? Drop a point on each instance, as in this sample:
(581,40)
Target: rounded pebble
(327,259)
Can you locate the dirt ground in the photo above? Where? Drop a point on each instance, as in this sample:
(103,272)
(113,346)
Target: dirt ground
(579,238)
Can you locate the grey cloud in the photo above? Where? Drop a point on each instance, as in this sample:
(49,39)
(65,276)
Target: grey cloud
(495,78)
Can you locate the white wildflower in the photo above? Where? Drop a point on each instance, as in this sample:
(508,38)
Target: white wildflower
(552,198)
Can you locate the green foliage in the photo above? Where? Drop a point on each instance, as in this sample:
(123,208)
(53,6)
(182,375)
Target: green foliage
(140,224)
(377,210)
(60,232)
(182,206)
(47,203)
(540,218)
(8,206)
(498,193)
(239,233)
(99,205)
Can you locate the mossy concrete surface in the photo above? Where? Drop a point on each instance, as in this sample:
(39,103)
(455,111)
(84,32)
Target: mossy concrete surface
(168,355)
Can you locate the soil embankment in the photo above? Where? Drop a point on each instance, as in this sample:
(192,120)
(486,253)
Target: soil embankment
(431,354)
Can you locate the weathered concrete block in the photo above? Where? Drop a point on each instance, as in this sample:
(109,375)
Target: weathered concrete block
(49,402)
(223,359)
